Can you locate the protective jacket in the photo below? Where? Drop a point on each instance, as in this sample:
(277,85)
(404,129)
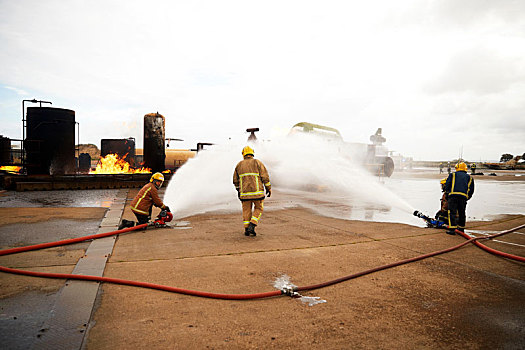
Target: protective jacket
(145,199)
(460,184)
(250,178)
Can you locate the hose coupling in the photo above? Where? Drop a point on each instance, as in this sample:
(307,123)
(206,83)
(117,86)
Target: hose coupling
(291,292)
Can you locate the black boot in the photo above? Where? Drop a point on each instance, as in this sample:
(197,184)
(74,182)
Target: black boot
(126,223)
(251,229)
(246,231)
(451,232)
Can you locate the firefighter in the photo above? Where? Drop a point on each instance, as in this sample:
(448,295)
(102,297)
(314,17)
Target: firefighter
(251,179)
(460,188)
(441,168)
(144,201)
(473,168)
(442,214)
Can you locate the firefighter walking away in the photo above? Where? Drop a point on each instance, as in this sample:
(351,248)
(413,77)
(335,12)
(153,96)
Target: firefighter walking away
(251,180)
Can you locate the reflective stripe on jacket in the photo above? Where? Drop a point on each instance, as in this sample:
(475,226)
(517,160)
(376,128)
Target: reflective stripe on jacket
(250,178)
(145,199)
(460,184)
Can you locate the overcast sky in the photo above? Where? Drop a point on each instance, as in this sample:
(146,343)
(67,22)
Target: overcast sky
(438,76)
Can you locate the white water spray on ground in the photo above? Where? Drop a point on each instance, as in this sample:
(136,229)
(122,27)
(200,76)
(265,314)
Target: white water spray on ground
(304,170)
(283,282)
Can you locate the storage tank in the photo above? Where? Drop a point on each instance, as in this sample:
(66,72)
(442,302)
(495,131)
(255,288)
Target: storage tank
(5,150)
(154,137)
(50,141)
(175,158)
(124,148)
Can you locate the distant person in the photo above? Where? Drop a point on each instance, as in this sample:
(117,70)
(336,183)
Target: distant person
(448,168)
(440,168)
(473,168)
(250,179)
(144,201)
(460,188)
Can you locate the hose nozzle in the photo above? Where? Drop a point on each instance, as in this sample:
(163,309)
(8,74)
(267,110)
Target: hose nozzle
(418,214)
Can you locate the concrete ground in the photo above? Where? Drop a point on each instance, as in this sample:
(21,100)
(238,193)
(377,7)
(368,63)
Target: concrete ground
(463,299)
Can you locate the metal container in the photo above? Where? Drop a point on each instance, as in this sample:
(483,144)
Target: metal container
(124,148)
(84,162)
(50,141)
(5,150)
(154,137)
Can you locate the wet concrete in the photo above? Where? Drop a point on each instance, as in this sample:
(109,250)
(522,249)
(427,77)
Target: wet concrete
(26,302)
(491,198)
(86,198)
(22,316)
(15,235)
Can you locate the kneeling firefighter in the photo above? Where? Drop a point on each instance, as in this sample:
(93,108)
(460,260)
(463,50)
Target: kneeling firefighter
(144,201)
(250,179)
(442,214)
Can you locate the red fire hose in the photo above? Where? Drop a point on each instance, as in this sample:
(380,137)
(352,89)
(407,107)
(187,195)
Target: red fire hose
(291,292)
(494,251)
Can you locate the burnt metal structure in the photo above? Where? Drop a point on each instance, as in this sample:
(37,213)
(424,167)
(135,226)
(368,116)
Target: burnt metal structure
(5,150)
(154,138)
(49,143)
(252,132)
(124,148)
(84,162)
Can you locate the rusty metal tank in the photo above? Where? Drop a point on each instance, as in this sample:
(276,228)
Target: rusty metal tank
(50,141)
(5,150)
(154,138)
(124,148)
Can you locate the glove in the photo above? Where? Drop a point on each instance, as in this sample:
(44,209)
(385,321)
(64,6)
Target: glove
(167,208)
(268,193)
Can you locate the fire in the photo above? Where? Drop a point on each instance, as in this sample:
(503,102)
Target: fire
(112,164)
(10,168)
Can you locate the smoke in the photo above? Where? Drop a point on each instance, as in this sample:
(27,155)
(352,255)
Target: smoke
(305,171)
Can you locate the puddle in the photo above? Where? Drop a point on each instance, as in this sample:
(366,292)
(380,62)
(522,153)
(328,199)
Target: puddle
(491,198)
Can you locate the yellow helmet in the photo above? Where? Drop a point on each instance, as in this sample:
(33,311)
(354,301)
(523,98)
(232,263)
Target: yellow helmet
(157,176)
(443,181)
(247,150)
(461,167)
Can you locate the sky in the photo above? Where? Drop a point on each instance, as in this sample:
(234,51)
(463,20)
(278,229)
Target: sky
(441,78)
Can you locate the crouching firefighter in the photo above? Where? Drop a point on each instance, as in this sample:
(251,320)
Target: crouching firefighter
(251,179)
(460,188)
(442,214)
(144,201)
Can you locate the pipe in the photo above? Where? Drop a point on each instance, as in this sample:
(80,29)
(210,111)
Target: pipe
(290,292)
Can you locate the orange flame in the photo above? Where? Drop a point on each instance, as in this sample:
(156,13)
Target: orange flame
(112,164)
(10,168)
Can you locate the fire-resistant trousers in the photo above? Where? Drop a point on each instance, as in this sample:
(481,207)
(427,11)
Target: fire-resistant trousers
(247,215)
(456,209)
